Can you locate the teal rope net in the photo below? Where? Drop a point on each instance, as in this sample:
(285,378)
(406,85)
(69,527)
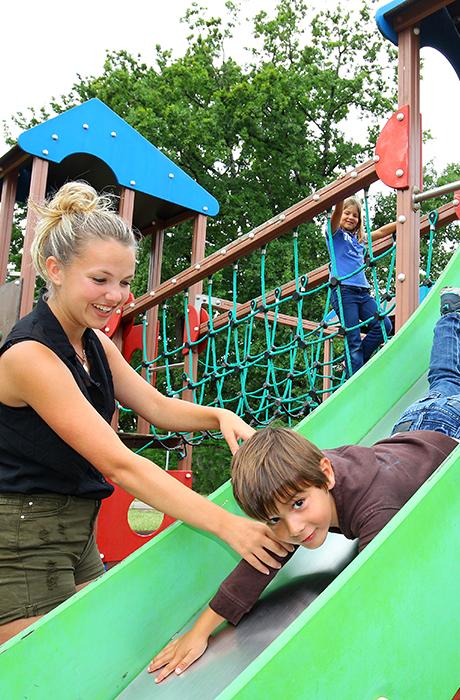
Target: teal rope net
(275,356)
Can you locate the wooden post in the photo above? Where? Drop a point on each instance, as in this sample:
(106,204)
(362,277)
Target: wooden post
(408,220)
(156,258)
(191,364)
(36,194)
(10,184)
(125,209)
(327,369)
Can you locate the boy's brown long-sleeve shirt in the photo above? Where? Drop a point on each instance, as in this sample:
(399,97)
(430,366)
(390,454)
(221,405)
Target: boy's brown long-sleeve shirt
(371,485)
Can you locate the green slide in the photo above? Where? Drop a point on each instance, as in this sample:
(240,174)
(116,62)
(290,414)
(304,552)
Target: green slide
(386,627)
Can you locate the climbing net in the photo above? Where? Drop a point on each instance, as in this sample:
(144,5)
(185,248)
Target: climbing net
(277,355)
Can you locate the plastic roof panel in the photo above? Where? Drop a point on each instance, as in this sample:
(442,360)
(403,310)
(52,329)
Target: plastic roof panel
(440,30)
(94,129)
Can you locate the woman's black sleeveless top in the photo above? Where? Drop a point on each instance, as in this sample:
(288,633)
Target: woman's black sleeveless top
(33,458)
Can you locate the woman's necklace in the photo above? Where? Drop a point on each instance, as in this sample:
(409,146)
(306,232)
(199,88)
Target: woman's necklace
(83,359)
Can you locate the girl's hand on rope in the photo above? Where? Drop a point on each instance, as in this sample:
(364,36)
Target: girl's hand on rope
(233,428)
(252,540)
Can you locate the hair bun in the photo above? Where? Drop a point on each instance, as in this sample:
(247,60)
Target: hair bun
(74,198)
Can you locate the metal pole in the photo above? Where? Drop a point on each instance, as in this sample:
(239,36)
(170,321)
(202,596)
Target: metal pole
(436,191)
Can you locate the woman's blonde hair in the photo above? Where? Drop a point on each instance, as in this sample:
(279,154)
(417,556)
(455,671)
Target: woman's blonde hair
(353,201)
(75,215)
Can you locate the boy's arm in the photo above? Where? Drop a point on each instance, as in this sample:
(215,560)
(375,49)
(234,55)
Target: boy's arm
(235,597)
(179,654)
(242,588)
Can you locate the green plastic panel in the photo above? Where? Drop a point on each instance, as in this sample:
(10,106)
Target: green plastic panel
(387,626)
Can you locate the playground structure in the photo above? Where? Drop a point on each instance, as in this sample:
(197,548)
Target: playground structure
(396,378)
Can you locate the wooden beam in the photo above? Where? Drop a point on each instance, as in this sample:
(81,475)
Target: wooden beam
(9,188)
(408,219)
(36,194)
(282,319)
(299,213)
(191,359)
(155,264)
(447,214)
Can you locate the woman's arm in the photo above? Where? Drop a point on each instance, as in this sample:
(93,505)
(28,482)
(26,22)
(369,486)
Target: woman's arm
(166,413)
(54,395)
(336,217)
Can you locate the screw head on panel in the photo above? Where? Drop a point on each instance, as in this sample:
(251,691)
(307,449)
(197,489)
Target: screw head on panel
(399,172)
(401,277)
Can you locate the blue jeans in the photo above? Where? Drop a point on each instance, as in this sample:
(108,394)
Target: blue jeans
(358,306)
(440,409)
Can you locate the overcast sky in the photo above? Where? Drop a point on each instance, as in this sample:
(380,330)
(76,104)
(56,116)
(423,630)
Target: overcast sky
(46,44)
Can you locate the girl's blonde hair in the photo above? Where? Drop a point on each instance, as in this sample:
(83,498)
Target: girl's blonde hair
(353,201)
(69,220)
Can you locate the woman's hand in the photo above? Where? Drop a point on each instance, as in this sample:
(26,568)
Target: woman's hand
(251,540)
(233,428)
(179,654)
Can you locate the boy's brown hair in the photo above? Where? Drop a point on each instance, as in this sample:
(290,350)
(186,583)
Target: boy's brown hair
(273,465)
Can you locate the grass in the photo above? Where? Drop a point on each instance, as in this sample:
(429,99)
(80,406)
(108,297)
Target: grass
(144,520)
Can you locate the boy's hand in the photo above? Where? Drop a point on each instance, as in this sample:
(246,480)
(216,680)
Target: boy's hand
(252,540)
(179,654)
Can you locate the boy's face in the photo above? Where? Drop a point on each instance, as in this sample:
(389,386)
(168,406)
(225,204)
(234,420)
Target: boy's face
(306,518)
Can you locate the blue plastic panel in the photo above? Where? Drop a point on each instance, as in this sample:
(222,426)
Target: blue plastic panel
(93,128)
(437,31)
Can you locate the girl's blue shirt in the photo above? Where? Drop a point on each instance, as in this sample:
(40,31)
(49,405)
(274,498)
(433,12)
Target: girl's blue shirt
(349,256)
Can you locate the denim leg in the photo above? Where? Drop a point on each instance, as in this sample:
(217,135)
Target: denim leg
(440,409)
(444,374)
(374,337)
(350,305)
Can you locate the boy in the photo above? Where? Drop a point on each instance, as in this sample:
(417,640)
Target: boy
(282,479)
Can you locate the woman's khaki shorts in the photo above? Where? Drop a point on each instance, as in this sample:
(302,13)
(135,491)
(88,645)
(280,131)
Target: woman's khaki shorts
(47,547)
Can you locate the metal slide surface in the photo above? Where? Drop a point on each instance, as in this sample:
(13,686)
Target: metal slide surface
(359,637)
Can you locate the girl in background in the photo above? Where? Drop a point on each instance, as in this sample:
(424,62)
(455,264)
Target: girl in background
(357,303)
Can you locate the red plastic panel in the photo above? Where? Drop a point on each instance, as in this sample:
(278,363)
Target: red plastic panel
(457,208)
(204,318)
(115,538)
(392,148)
(114,319)
(195,319)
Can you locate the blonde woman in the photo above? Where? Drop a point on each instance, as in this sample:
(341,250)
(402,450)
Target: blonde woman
(59,379)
